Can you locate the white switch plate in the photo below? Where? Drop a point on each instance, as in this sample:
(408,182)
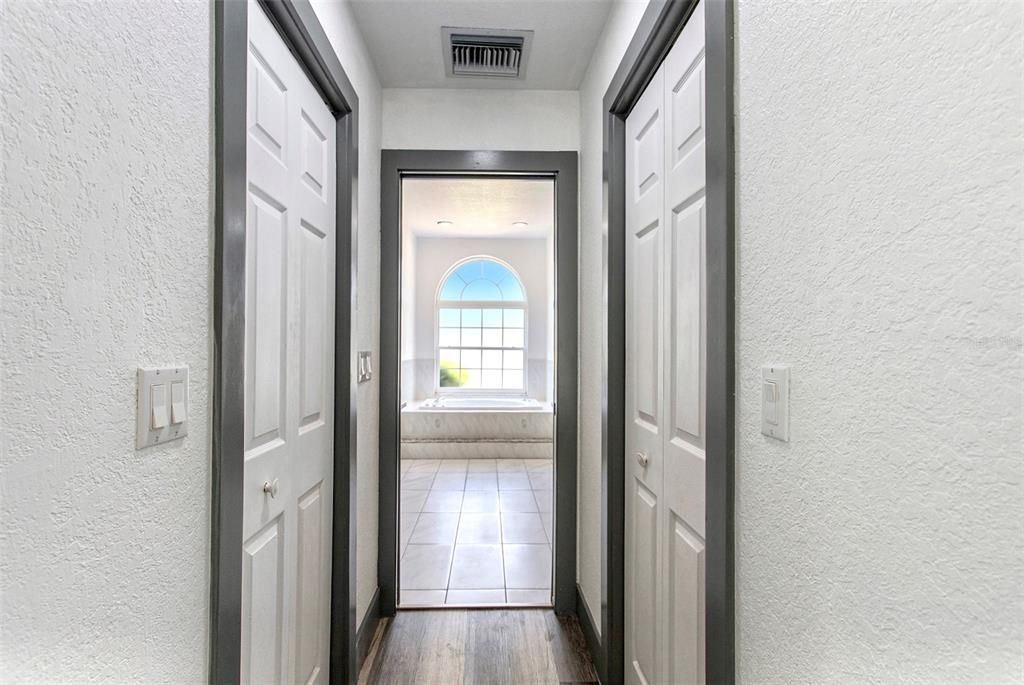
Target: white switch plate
(156,386)
(365,367)
(775,401)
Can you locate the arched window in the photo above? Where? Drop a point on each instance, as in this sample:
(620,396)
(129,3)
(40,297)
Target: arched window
(481,334)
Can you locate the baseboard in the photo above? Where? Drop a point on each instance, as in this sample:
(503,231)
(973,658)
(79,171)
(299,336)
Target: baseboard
(590,634)
(367,629)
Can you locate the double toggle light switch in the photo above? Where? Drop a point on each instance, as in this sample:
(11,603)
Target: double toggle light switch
(162,405)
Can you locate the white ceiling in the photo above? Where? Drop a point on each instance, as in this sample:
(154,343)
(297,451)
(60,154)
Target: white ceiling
(404,39)
(478,207)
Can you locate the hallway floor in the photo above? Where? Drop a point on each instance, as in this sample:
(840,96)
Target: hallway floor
(476,532)
(478,647)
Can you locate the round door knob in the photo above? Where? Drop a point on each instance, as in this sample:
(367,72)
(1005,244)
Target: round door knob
(271,488)
(642,459)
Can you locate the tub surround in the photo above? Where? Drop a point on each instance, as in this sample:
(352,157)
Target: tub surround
(441,433)
(419,382)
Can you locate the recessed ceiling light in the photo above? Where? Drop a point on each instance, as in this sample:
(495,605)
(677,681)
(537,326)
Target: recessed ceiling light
(445,222)
(520,224)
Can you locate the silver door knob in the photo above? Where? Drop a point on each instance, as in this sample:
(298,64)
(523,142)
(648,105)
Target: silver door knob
(271,488)
(642,459)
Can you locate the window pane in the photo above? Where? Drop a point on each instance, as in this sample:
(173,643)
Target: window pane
(492,359)
(481,290)
(452,288)
(492,318)
(471,318)
(513,318)
(490,379)
(449,337)
(471,359)
(471,337)
(513,337)
(513,359)
(450,358)
(449,318)
(513,380)
(472,377)
(450,377)
(492,337)
(511,290)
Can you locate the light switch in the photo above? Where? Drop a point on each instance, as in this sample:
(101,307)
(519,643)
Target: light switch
(178,413)
(162,413)
(775,401)
(158,406)
(364,367)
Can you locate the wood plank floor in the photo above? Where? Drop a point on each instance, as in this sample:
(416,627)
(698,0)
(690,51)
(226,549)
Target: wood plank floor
(478,647)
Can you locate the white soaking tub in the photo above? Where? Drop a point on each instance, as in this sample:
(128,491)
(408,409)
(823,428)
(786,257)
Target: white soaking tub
(477,427)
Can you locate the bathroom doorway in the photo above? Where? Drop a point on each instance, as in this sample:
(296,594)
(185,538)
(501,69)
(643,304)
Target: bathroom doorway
(477,382)
(478,340)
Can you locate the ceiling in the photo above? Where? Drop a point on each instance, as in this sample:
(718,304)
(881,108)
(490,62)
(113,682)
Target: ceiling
(404,39)
(478,207)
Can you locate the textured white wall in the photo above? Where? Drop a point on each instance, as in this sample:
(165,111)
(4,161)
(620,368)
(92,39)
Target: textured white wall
(107,222)
(622,22)
(449,119)
(336,18)
(879,160)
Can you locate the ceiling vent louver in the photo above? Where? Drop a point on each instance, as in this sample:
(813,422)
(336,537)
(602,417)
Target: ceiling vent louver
(485,53)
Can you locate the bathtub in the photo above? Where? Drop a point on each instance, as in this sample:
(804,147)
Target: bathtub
(470,403)
(477,427)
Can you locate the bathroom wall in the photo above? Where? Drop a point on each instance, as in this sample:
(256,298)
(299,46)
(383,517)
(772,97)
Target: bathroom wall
(434,257)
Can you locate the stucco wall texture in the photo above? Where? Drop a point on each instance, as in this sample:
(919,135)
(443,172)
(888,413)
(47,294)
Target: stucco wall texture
(107,221)
(879,229)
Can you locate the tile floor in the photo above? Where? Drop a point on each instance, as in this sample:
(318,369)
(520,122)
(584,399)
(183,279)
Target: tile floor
(475,532)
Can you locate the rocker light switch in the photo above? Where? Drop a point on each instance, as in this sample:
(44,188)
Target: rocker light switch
(178,414)
(775,402)
(158,406)
(364,367)
(162,412)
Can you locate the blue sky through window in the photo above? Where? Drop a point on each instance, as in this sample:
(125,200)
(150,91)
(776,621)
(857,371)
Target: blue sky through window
(482,280)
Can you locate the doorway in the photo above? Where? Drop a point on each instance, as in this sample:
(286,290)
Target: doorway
(282,528)
(478,380)
(668,491)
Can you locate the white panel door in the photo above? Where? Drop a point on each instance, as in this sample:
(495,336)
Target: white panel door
(665,362)
(645,413)
(289,367)
(682,525)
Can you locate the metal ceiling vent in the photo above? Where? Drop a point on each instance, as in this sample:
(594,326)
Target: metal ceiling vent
(485,53)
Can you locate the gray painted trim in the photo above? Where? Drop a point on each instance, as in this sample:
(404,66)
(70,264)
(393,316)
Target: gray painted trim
(659,27)
(367,629)
(562,166)
(590,634)
(298,25)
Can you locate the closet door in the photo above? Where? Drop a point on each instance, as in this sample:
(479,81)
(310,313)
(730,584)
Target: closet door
(665,367)
(682,498)
(645,413)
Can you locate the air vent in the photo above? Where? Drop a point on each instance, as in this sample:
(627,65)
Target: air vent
(485,53)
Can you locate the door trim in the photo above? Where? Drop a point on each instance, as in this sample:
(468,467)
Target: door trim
(658,29)
(562,167)
(301,31)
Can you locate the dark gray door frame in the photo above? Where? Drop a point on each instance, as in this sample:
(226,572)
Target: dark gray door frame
(657,32)
(305,37)
(562,167)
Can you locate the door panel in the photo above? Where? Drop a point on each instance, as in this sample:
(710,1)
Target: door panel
(665,366)
(683,499)
(263,606)
(685,600)
(644,388)
(289,364)
(308,636)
